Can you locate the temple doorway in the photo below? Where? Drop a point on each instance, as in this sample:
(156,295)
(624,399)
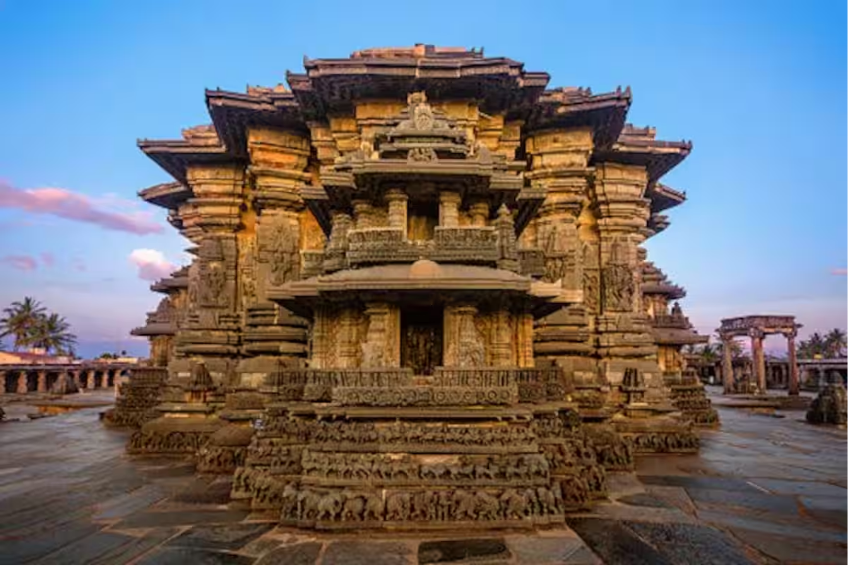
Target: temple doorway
(421,339)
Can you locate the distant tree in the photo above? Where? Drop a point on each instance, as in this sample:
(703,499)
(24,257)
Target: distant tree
(834,343)
(813,347)
(736,352)
(106,356)
(53,333)
(123,353)
(20,320)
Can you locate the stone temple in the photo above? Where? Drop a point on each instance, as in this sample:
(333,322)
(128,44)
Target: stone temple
(419,296)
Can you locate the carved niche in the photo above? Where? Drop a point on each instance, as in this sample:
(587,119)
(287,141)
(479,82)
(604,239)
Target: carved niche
(472,350)
(619,282)
(279,249)
(212,275)
(591,277)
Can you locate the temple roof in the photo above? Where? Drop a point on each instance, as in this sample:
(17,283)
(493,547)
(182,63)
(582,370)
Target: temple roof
(639,146)
(233,113)
(498,83)
(422,275)
(664,197)
(177,280)
(571,107)
(655,282)
(200,145)
(166,195)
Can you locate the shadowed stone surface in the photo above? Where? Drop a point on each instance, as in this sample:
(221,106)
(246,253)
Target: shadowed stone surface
(175,555)
(228,537)
(181,517)
(367,552)
(108,548)
(432,552)
(644,500)
(614,543)
(301,553)
(690,544)
(553,550)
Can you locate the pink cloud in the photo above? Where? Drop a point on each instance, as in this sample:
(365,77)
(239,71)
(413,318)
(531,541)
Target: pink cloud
(839,271)
(151,264)
(74,206)
(20,262)
(47,259)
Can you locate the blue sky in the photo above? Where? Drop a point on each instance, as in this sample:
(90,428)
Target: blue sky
(759,87)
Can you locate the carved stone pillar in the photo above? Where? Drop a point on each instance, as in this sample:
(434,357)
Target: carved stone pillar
(23,386)
(449,209)
(381,347)
(77,381)
(397,200)
(624,335)
(525,340)
(501,354)
(363,214)
(104,378)
(727,364)
(793,362)
(90,379)
(336,250)
(564,230)
(42,382)
(62,383)
(758,358)
(479,211)
(3,382)
(212,329)
(348,348)
(463,343)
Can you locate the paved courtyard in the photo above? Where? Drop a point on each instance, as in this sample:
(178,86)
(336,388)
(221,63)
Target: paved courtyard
(762,490)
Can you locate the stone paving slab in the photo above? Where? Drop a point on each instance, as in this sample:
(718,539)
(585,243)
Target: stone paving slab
(368,552)
(226,537)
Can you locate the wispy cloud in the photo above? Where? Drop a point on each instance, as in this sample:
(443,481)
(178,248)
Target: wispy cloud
(20,262)
(151,264)
(47,259)
(839,271)
(74,206)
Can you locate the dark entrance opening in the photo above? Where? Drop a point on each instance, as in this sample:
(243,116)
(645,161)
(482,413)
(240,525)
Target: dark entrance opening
(421,339)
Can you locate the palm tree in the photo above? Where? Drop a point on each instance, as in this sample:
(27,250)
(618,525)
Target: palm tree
(709,353)
(834,343)
(813,347)
(19,320)
(52,332)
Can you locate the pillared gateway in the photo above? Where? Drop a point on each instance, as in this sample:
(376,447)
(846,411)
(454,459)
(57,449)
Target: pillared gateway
(417,297)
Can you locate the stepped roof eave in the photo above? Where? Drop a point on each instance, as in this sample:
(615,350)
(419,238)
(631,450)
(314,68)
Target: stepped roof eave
(499,83)
(233,113)
(155,329)
(605,113)
(168,285)
(639,146)
(670,290)
(664,197)
(175,156)
(678,336)
(166,195)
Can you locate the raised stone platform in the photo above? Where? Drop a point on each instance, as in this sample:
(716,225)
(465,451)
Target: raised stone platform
(762,490)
